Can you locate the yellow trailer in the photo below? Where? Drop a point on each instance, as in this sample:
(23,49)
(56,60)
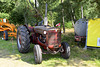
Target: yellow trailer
(93,33)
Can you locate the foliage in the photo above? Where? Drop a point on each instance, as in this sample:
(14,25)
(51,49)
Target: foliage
(6,7)
(68,24)
(4,15)
(78,58)
(16,17)
(20,11)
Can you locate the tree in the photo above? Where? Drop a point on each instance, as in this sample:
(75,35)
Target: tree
(63,11)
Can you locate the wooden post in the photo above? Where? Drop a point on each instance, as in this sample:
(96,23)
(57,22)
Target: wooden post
(72,16)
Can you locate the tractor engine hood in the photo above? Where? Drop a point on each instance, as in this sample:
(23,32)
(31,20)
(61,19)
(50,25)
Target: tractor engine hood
(41,29)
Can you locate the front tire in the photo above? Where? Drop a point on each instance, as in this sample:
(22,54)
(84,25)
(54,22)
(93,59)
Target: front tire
(23,39)
(66,53)
(37,54)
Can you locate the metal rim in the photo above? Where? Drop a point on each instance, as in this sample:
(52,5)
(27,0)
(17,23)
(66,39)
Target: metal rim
(19,41)
(68,50)
(35,54)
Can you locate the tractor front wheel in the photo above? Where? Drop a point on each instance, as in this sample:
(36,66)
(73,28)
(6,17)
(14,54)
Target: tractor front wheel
(23,39)
(37,54)
(66,50)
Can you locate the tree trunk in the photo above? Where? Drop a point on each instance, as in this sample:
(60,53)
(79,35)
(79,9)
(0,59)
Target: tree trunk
(82,11)
(63,17)
(63,25)
(72,21)
(72,17)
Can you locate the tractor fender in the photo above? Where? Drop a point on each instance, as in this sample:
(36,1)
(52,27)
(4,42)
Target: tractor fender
(28,28)
(31,29)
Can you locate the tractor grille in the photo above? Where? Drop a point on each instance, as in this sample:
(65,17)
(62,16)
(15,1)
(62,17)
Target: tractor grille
(54,38)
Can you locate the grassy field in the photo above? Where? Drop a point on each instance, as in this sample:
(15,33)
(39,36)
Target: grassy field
(10,57)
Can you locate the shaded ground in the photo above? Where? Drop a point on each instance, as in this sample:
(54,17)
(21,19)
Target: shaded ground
(10,57)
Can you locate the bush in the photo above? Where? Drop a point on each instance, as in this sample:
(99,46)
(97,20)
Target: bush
(4,15)
(16,17)
(68,24)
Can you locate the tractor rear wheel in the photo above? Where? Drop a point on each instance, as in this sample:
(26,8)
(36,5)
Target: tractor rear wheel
(37,54)
(66,53)
(23,39)
(5,35)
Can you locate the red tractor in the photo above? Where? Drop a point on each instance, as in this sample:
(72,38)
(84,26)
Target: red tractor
(46,40)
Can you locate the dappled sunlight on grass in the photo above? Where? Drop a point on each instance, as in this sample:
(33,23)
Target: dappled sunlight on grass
(79,56)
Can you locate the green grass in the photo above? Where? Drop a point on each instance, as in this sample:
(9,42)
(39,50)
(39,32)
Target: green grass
(79,57)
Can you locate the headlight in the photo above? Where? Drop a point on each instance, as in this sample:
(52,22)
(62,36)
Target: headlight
(44,32)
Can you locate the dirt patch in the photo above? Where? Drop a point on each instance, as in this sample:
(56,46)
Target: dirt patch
(69,31)
(6,62)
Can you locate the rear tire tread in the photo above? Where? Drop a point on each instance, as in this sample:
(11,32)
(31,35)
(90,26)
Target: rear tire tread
(25,39)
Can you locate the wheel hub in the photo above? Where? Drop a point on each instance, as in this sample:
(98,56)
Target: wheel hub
(68,50)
